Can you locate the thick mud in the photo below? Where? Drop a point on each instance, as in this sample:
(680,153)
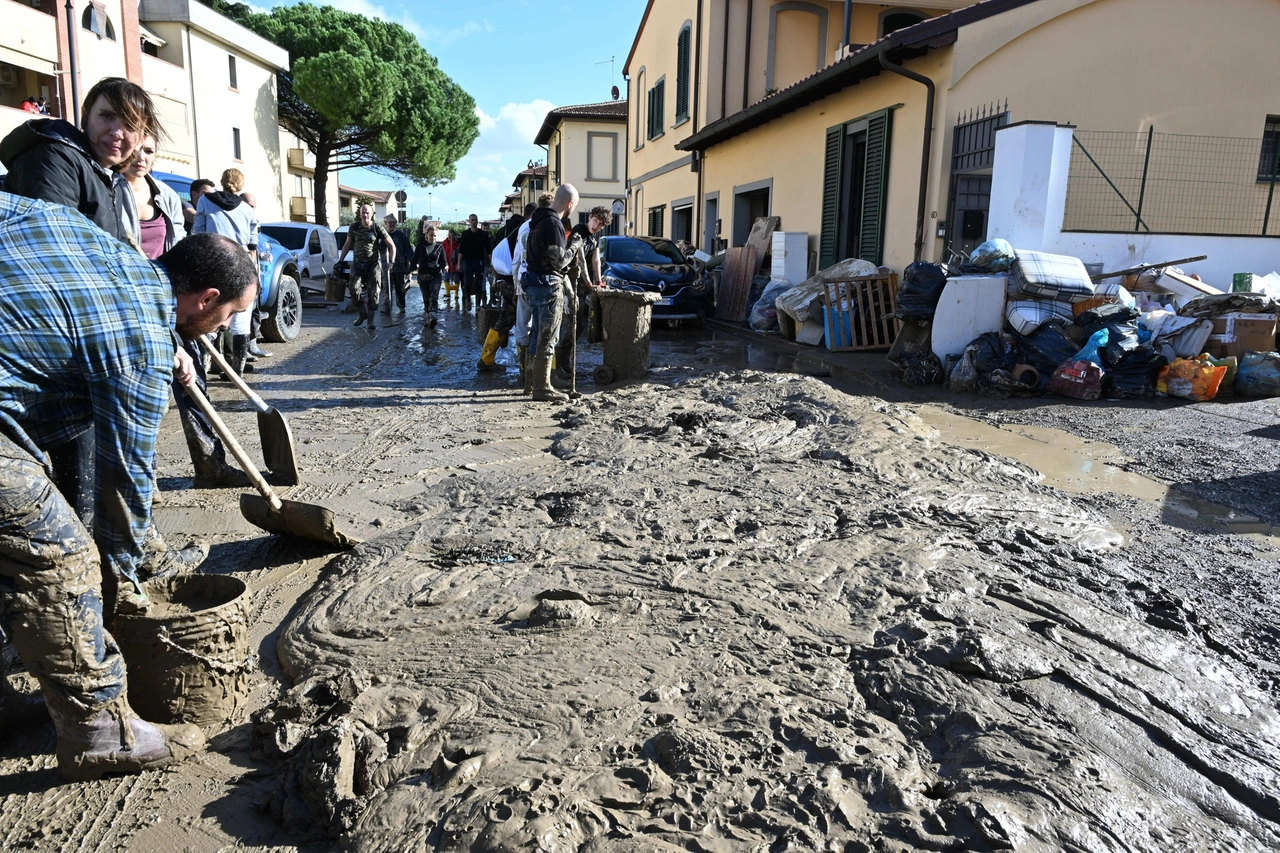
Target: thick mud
(720,611)
(751,612)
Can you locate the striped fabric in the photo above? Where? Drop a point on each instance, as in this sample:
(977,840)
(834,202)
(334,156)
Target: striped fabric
(1027,315)
(87,342)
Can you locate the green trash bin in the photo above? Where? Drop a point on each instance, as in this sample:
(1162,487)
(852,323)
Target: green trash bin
(626,316)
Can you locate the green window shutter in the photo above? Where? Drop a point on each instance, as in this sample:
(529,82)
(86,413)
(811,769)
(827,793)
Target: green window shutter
(682,74)
(828,240)
(648,130)
(660,116)
(875,188)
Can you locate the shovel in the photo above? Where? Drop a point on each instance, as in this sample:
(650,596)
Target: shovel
(273,429)
(288,518)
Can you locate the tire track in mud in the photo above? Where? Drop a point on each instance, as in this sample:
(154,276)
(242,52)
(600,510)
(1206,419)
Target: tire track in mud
(750,612)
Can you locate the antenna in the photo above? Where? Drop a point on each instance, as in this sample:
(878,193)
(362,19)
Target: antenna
(610,61)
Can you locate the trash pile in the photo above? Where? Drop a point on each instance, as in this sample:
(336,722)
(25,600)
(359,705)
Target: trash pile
(1025,322)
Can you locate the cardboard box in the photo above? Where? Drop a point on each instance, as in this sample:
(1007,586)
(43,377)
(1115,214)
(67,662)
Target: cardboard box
(1236,334)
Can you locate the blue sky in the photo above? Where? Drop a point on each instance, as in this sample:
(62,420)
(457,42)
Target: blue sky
(558,46)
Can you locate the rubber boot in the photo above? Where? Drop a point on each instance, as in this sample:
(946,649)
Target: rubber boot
(522,360)
(92,744)
(542,390)
(364,315)
(487,353)
(239,353)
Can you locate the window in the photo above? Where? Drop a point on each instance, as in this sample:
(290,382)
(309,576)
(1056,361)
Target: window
(95,20)
(682,73)
(657,97)
(231,69)
(1270,150)
(602,156)
(641,125)
(891,21)
(655,220)
(854,190)
(235,143)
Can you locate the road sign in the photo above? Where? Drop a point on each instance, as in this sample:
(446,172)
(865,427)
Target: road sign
(401,196)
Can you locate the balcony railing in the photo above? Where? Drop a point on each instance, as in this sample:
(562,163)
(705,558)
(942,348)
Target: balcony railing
(302,209)
(302,160)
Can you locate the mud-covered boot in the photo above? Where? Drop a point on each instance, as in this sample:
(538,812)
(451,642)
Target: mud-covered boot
(488,351)
(239,353)
(92,744)
(522,360)
(159,560)
(17,708)
(364,315)
(542,390)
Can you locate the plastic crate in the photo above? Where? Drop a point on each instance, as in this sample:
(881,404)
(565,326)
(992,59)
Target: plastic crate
(858,313)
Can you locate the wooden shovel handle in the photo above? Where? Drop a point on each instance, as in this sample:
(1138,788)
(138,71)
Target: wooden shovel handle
(258,402)
(236,450)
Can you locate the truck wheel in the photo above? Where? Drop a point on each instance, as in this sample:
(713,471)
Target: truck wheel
(285,320)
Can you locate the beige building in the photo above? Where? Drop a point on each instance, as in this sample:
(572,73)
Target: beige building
(529,184)
(212,80)
(300,181)
(214,83)
(828,131)
(384,201)
(586,147)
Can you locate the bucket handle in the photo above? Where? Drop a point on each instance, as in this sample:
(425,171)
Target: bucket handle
(227,668)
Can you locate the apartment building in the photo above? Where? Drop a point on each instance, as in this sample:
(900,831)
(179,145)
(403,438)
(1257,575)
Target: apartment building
(872,127)
(585,146)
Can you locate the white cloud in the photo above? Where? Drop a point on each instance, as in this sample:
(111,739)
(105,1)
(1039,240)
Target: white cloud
(504,147)
(429,36)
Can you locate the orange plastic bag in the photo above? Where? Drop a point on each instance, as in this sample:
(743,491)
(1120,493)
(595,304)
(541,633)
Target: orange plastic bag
(1191,378)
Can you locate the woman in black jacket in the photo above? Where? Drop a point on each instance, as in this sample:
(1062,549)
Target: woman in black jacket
(429,261)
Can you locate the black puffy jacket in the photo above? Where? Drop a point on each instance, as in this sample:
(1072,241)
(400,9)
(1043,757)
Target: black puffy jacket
(49,159)
(546,248)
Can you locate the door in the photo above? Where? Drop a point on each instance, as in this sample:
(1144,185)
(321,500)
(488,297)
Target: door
(315,256)
(854,156)
(711,226)
(969,212)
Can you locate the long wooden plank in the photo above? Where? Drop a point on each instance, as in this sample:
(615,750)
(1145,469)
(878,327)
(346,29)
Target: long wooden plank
(735,284)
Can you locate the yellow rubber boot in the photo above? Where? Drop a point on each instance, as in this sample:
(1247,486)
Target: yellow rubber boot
(488,351)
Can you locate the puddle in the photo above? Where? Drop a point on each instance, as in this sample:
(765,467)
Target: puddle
(1081,466)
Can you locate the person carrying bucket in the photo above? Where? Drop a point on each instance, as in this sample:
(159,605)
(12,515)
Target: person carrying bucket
(109,361)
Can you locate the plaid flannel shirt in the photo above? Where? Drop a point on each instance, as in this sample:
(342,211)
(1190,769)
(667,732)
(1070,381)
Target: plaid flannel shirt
(1046,276)
(88,341)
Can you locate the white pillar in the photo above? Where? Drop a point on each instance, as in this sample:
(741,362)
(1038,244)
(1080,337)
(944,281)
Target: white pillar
(1029,184)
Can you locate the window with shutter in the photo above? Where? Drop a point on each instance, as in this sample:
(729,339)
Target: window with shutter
(875,185)
(855,185)
(828,240)
(655,221)
(682,74)
(657,106)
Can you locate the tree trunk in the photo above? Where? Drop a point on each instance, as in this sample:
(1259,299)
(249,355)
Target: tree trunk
(323,152)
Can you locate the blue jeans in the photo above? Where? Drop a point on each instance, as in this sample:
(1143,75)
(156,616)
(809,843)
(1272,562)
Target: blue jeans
(547,304)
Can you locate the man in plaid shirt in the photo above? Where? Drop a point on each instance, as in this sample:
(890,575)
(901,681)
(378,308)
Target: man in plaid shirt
(89,325)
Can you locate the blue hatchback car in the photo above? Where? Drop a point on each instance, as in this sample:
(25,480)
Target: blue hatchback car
(281,296)
(654,264)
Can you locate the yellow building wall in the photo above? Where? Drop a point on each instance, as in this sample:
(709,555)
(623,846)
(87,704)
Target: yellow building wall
(792,151)
(1138,72)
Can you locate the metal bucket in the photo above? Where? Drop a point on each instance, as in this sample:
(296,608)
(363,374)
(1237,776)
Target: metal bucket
(188,659)
(335,288)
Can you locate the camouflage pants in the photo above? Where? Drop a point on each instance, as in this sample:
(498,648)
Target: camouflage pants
(504,293)
(51,588)
(366,283)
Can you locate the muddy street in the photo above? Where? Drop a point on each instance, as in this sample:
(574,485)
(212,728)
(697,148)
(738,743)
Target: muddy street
(754,603)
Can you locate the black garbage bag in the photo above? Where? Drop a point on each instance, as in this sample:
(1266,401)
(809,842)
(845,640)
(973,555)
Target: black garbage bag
(1122,339)
(1044,349)
(920,291)
(920,367)
(992,352)
(1105,315)
(1135,374)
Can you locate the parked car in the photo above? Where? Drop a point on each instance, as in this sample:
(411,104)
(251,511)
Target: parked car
(314,246)
(655,264)
(281,295)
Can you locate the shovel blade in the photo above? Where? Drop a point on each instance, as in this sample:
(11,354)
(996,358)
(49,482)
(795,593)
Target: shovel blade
(305,521)
(277,446)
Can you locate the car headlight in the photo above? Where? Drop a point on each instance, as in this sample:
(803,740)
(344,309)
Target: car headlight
(613,281)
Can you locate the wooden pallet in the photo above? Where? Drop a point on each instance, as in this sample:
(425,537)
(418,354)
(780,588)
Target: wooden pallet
(858,313)
(735,284)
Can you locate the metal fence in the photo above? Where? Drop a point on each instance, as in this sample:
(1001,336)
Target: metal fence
(1173,184)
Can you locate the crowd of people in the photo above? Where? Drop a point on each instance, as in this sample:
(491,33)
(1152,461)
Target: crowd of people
(476,271)
(110,280)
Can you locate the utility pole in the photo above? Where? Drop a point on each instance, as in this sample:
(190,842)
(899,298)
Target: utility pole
(71,55)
